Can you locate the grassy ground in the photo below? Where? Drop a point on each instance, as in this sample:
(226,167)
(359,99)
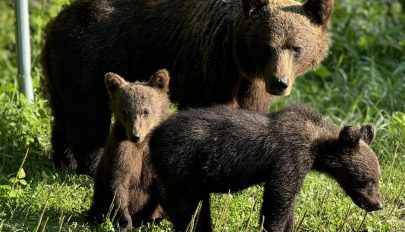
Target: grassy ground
(363,80)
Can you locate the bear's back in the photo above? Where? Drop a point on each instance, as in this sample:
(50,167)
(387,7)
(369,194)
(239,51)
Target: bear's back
(241,146)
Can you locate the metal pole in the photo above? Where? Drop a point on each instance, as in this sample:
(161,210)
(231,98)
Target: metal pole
(23,49)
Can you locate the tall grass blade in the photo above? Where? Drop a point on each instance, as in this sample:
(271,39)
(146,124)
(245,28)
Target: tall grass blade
(250,216)
(44,226)
(296,229)
(223,216)
(345,218)
(194,219)
(362,221)
(40,217)
(61,220)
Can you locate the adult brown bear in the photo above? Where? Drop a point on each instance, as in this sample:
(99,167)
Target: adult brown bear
(233,52)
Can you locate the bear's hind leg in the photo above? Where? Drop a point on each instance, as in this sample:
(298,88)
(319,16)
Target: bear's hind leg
(88,130)
(62,155)
(151,213)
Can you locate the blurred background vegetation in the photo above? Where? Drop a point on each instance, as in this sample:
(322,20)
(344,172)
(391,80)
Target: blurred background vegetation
(362,80)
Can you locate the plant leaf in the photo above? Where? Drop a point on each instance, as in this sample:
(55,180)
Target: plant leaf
(21,174)
(23,182)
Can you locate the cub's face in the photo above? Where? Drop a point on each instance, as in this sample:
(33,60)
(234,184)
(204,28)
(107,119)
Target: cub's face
(282,39)
(139,107)
(360,173)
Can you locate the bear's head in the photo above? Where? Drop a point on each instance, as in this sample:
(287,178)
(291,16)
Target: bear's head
(354,165)
(139,106)
(279,40)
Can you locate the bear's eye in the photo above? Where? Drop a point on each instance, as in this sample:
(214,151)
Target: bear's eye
(370,183)
(296,50)
(366,184)
(145,112)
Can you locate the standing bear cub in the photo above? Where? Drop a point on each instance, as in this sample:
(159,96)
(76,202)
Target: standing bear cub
(125,176)
(218,149)
(233,52)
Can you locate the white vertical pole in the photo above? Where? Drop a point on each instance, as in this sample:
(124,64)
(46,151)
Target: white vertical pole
(23,48)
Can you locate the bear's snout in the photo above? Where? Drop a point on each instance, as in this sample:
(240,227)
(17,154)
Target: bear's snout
(374,206)
(369,203)
(379,206)
(278,85)
(135,137)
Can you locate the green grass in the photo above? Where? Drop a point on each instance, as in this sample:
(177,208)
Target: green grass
(362,80)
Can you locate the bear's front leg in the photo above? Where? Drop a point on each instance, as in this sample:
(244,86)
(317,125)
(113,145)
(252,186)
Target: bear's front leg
(121,162)
(252,95)
(181,206)
(278,206)
(289,225)
(121,203)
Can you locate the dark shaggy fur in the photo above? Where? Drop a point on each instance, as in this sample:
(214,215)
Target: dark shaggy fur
(231,52)
(218,149)
(125,175)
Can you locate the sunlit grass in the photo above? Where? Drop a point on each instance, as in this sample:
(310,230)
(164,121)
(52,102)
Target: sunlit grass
(362,80)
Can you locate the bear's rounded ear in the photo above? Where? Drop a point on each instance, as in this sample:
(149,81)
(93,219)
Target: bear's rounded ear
(160,79)
(320,10)
(368,133)
(113,81)
(250,6)
(349,136)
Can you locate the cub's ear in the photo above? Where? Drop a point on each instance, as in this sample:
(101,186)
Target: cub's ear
(368,133)
(113,81)
(321,10)
(250,6)
(160,79)
(349,136)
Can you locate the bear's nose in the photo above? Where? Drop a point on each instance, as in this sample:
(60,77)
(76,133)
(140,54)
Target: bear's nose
(379,206)
(281,83)
(135,137)
(374,206)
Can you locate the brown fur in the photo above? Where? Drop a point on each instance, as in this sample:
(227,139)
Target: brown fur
(234,52)
(295,43)
(200,151)
(125,172)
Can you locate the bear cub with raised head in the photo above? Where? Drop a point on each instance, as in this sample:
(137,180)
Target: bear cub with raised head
(125,176)
(217,149)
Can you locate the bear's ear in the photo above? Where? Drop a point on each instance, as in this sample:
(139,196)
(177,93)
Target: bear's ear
(349,136)
(368,133)
(250,6)
(113,81)
(160,79)
(320,10)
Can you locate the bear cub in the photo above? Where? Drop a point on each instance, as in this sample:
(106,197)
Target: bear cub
(200,151)
(125,176)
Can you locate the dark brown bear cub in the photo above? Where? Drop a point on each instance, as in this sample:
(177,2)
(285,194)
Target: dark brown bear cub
(125,176)
(200,151)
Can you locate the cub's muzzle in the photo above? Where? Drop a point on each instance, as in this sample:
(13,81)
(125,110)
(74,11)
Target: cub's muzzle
(135,137)
(278,85)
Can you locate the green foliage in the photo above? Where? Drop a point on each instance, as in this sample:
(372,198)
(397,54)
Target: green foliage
(362,80)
